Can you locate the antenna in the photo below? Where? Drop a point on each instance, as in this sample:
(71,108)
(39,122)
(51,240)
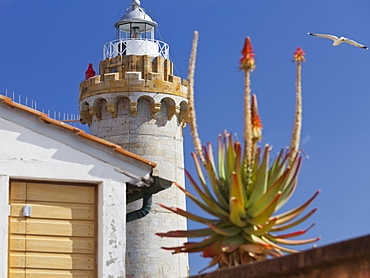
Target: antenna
(67,117)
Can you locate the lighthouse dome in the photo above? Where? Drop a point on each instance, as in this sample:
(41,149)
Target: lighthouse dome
(135,14)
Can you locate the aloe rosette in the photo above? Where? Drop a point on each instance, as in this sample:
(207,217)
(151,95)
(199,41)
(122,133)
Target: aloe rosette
(244,188)
(244,227)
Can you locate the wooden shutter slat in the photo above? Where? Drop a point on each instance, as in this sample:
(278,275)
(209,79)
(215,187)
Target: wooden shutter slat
(60,261)
(75,228)
(56,211)
(41,192)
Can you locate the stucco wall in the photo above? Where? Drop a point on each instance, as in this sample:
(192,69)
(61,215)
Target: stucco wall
(26,154)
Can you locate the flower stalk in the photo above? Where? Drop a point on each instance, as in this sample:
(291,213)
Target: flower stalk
(247,64)
(296,136)
(192,114)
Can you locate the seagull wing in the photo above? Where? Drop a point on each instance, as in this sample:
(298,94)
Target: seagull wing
(355,43)
(332,37)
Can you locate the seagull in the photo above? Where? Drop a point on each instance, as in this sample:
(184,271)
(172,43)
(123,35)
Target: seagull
(338,41)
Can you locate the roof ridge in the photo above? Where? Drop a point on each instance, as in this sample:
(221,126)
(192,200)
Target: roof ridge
(78,132)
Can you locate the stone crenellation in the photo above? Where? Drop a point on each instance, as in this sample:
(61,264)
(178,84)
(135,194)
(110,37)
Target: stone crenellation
(134,73)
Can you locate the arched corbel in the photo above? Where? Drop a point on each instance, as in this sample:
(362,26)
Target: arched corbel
(85,117)
(112,108)
(184,117)
(95,110)
(133,108)
(172,110)
(155,108)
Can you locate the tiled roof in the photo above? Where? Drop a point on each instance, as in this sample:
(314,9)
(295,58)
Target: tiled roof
(75,130)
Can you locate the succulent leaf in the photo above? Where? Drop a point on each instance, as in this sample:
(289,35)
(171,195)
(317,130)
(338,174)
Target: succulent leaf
(291,242)
(211,171)
(197,246)
(277,246)
(230,155)
(235,216)
(221,159)
(260,230)
(228,231)
(260,178)
(292,224)
(237,190)
(230,244)
(298,233)
(291,183)
(210,206)
(253,248)
(205,196)
(189,215)
(289,215)
(188,233)
(211,158)
(278,166)
(266,199)
(263,216)
(213,249)
(258,240)
(201,176)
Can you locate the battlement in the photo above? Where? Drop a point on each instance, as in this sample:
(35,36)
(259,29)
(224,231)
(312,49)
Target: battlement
(134,73)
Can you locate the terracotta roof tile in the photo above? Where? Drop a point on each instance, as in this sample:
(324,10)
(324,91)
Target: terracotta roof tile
(78,132)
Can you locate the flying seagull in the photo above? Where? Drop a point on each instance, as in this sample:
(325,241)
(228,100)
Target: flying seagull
(338,41)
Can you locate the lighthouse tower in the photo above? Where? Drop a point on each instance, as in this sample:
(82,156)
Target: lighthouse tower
(135,101)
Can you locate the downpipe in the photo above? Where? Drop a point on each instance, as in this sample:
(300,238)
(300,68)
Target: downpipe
(137,214)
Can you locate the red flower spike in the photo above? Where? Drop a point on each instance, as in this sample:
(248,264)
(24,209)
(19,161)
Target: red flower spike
(299,55)
(247,62)
(256,120)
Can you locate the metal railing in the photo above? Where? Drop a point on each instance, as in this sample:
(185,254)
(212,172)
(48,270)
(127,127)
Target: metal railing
(149,47)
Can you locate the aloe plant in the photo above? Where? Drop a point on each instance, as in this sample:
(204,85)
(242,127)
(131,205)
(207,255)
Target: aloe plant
(243,189)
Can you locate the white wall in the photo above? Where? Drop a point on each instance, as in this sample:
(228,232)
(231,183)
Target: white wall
(4,206)
(26,154)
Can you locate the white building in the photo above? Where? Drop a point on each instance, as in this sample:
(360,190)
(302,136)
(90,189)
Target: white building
(63,190)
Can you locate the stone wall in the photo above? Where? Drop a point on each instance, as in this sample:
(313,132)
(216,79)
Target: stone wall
(134,74)
(348,259)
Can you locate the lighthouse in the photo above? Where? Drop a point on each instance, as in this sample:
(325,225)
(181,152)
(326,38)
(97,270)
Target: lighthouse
(137,102)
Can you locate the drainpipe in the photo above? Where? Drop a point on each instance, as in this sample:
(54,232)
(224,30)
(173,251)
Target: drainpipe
(137,214)
(158,185)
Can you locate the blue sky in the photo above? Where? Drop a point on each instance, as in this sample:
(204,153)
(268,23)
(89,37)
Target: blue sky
(47,45)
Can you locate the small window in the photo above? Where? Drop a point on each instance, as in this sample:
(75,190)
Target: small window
(113,70)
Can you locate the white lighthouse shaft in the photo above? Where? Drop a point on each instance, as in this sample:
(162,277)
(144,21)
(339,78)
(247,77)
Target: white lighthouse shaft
(138,103)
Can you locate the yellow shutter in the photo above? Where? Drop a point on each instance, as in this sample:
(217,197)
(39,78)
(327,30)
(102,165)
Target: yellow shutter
(58,239)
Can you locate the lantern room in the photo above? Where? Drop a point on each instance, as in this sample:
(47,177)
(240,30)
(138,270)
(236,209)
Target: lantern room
(135,24)
(135,35)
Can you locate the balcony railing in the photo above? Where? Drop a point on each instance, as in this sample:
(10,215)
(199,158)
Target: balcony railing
(149,47)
